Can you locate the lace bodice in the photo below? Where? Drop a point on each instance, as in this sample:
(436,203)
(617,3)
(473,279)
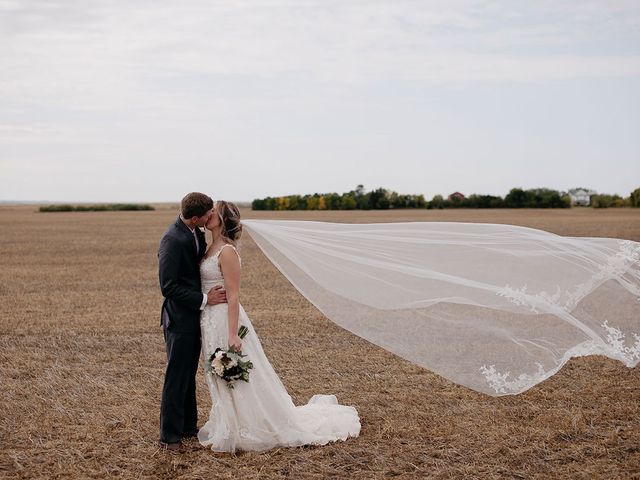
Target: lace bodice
(210,273)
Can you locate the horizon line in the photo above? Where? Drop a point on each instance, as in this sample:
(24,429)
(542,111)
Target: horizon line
(177,201)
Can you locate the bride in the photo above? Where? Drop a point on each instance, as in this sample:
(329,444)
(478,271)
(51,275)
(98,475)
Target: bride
(259,414)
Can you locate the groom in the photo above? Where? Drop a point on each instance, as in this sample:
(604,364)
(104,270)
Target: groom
(181,249)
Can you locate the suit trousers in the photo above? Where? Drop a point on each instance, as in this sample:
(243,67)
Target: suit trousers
(178,410)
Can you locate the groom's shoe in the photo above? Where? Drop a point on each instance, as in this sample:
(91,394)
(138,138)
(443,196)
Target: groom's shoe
(191,434)
(174,447)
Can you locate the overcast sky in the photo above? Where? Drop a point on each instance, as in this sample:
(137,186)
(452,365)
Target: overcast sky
(145,100)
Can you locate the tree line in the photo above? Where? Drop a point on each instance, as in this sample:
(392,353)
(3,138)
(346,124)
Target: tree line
(109,207)
(383,199)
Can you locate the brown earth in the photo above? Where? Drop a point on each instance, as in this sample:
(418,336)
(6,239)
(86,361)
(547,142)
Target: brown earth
(82,359)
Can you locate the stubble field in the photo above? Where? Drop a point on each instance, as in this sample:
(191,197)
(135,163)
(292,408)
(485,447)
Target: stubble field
(82,361)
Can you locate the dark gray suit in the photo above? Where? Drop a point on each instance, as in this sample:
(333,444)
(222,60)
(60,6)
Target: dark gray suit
(180,318)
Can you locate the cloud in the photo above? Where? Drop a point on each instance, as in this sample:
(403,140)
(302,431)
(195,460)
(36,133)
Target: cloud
(77,52)
(115,80)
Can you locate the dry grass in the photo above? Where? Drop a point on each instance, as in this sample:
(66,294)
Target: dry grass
(82,358)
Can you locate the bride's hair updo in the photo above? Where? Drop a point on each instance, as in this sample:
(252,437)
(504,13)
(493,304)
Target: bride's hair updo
(229,220)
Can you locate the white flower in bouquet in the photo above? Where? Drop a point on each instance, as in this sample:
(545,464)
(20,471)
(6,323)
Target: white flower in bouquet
(217,364)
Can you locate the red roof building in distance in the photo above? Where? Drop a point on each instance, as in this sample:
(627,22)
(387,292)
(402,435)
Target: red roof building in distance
(456,196)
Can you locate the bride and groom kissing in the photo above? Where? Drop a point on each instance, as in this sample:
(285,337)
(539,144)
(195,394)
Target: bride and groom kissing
(202,312)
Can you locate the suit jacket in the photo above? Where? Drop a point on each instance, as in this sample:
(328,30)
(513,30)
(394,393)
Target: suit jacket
(179,273)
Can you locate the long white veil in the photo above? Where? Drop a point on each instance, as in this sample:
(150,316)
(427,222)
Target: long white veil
(497,308)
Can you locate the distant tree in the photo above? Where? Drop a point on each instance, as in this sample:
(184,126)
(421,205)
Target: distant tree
(396,200)
(634,198)
(496,202)
(258,204)
(379,199)
(382,203)
(283,203)
(293,202)
(364,201)
(436,202)
(271,203)
(516,198)
(547,198)
(301,202)
(599,201)
(454,201)
(417,201)
(482,201)
(312,202)
(348,202)
(108,207)
(382,198)
(604,200)
(333,201)
(536,198)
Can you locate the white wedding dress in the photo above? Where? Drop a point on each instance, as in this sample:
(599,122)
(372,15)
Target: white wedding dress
(259,414)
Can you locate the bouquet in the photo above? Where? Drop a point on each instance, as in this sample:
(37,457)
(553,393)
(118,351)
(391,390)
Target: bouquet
(230,364)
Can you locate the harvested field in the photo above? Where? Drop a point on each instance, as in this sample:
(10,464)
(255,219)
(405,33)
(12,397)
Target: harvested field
(82,361)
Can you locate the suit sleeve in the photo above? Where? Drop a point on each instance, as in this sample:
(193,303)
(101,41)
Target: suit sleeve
(169,265)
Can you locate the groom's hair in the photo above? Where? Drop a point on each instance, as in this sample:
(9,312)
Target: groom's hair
(196,204)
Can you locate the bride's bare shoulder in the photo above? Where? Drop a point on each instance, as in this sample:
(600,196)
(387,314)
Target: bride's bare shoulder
(229,254)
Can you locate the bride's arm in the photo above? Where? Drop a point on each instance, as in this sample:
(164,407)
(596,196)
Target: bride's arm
(230,266)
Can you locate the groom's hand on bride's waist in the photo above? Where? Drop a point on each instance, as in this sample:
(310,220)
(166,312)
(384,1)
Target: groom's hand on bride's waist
(216,295)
